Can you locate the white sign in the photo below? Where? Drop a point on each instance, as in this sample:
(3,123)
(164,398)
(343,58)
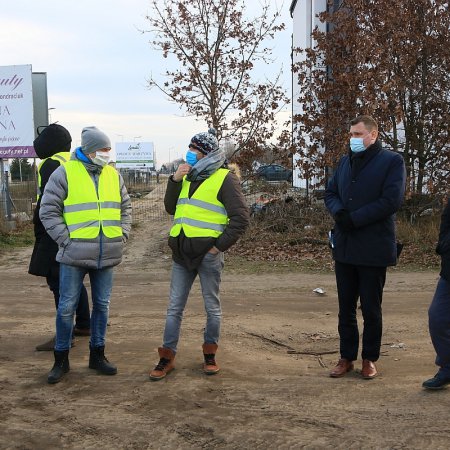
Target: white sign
(131,155)
(16,112)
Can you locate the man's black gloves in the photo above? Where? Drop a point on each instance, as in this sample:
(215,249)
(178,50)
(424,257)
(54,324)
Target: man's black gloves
(344,220)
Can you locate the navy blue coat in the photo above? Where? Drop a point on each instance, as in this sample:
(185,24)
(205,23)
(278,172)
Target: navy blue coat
(443,247)
(372,196)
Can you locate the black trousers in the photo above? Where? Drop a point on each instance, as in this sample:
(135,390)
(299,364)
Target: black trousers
(365,283)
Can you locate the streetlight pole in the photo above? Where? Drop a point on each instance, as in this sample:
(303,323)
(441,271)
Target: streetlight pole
(49,115)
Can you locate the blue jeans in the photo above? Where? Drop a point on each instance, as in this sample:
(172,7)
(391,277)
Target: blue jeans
(439,325)
(71,282)
(209,272)
(83,315)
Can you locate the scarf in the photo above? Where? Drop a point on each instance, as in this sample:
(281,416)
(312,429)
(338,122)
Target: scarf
(206,166)
(90,166)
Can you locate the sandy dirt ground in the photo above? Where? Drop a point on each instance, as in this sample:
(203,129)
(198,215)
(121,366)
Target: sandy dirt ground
(279,342)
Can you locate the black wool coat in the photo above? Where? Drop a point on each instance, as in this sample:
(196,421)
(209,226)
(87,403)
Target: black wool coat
(443,247)
(371,188)
(43,259)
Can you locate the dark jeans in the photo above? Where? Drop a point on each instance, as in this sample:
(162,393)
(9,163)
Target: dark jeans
(439,325)
(365,283)
(83,317)
(71,278)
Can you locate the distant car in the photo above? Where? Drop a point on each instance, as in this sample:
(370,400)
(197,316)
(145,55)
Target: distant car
(274,172)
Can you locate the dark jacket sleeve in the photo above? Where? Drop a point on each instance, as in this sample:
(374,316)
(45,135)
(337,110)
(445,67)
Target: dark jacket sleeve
(237,210)
(390,199)
(332,199)
(171,196)
(443,246)
(46,169)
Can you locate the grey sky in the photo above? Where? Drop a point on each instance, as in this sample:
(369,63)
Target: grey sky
(97,64)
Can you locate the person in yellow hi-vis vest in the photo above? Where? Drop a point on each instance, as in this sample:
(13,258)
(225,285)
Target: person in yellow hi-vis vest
(52,146)
(86,210)
(210,214)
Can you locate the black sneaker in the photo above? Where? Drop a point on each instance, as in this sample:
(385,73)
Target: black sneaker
(437,382)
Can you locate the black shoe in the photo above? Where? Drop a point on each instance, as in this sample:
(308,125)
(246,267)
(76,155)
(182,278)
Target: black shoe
(60,368)
(98,361)
(437,382)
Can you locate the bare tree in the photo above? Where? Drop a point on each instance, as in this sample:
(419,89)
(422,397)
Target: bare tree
(217,49)
(388,60)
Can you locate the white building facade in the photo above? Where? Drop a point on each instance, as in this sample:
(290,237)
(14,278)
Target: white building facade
(304,14)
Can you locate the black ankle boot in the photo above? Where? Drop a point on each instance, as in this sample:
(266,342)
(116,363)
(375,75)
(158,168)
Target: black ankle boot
(60,368)
(98,361)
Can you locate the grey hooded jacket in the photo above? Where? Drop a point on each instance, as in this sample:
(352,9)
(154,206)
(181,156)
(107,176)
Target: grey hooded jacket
(95,253)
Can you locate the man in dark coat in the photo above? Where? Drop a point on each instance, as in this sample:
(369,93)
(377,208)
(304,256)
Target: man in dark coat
(363,196)
(53,146)
(439,311)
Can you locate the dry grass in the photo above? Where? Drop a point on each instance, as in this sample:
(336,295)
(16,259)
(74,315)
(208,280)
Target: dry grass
(293,236)
(419,241)
(21,236)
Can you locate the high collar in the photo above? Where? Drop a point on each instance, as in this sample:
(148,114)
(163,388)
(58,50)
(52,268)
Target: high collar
(369,151)
(90,166)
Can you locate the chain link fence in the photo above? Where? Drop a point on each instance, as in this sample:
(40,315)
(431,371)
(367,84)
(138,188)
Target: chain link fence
(17,202)
(147,190)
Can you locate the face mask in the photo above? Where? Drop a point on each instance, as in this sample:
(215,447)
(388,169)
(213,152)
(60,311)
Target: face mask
(101,158)
(357,145)
(191,158)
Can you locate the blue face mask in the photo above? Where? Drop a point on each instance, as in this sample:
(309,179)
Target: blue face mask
(191,158)
(357,145)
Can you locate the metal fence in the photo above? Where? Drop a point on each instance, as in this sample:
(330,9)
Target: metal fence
(146,190)
(148,197)
(150,206)
(20,209)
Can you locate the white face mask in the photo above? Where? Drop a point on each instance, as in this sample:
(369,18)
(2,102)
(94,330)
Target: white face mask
(101,158)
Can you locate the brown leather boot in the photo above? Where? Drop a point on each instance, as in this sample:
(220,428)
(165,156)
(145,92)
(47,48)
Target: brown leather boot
(165,365)
(342,367)
(210,366)
(369,370)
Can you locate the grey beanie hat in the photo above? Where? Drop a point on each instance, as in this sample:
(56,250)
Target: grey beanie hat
(92,139)
(205,142)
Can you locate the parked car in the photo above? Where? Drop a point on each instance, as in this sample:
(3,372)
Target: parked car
(274,172)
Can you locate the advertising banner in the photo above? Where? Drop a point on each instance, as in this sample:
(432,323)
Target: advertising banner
(16,112)
(134,155)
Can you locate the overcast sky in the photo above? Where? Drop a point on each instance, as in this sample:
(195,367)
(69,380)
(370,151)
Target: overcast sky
(98,63)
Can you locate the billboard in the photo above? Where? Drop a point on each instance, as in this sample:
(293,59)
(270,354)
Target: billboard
(16,112)
(135,155)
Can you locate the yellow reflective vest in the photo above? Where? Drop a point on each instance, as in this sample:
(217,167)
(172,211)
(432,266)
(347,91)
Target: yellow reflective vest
(61,157)
(202,215)
(86,208)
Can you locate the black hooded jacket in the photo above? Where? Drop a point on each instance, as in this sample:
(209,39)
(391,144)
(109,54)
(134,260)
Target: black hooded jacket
(54,139)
